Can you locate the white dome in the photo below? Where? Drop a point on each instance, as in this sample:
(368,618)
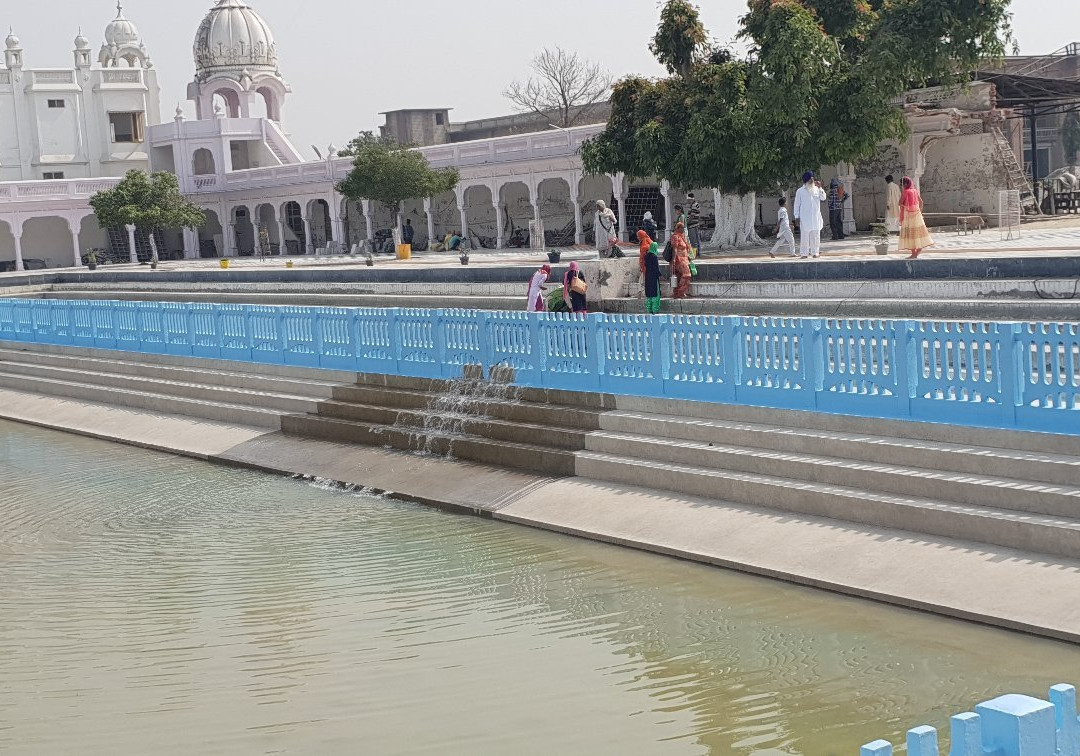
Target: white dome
(232,38)
(12,41)
(81,42)
(120,31)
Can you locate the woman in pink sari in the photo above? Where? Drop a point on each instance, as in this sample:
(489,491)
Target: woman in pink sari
(913,233)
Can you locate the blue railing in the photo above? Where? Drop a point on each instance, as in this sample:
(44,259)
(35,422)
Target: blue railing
(1011,725)
(999,375)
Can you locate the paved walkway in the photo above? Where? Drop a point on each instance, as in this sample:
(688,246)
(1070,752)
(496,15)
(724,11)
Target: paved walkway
(997,586)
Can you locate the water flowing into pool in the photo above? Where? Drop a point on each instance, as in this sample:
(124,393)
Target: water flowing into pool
(152,604)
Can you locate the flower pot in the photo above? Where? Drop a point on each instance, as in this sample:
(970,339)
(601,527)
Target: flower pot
(153,266)
(224,262)
(92,266)
(882,248)
(554,257)
(288,263)
(464,259)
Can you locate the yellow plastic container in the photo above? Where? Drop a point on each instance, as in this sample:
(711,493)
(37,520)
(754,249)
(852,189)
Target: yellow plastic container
(288,263)
(404,251)
(224,262)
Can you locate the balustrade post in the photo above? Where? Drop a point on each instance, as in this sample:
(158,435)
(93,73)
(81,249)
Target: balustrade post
(487,350)
(1016,725)
(965,735)
(317,333)
(877,748)
(440,342)
(734,353)
(812,353)
(660,352)
(1010,357)
(111,309)
(922,741)
(249,330)
(283,335)
(597,351)
(395,338)
(907,368)
(1063,697)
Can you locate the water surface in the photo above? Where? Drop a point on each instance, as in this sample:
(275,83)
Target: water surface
(152,604)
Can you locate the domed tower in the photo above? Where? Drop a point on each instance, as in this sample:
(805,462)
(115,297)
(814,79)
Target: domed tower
(123,43)
(236,60)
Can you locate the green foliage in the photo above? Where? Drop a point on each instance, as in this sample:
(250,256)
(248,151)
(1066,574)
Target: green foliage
(816,88)
(387,172)
(1070,137)
(363,139)
(148,201)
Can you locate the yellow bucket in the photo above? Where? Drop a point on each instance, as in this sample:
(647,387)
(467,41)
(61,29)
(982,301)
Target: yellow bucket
(224,262)
(288,263)
(404,251)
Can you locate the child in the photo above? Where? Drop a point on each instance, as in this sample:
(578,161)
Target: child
(783,230)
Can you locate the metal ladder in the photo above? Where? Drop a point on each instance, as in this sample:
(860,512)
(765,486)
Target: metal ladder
(1017,178)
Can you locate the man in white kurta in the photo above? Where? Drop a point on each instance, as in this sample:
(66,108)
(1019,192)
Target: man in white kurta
(892,205)
(807,212)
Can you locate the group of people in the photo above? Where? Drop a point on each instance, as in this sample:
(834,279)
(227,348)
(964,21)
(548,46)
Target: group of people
(574,289)
(903,214)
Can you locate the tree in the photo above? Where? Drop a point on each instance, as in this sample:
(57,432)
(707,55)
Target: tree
(816,88)
(391,173)
(562,87)
(1070,137)
(149,201)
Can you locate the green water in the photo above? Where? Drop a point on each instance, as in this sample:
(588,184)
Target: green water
(151,604)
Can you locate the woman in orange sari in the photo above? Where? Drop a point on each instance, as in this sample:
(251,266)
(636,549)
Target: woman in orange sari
(643,252)
(680,262)
(913,233)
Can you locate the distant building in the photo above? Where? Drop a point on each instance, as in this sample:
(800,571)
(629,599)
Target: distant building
(426,127)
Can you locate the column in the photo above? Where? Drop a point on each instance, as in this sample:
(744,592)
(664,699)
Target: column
(460,195)
(618,183)
(365,208)
(665,192)
(337,226)
(309,244)
(73,226)
(285,230)
(717,198)
(847,178)
(579,232)
(131,242)
(429,210)
(16,232)
(191,243)
(400,221)
(498,224)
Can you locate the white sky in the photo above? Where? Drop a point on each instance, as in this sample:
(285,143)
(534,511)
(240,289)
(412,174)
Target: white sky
(347,60)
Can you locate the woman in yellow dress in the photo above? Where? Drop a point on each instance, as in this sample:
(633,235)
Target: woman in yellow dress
(913,233)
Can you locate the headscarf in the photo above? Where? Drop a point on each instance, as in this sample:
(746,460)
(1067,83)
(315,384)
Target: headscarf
(647,216)
(575,267)
(601,205)
(911,198)
(644,241)
(546,268)
(654,249)
(680,228)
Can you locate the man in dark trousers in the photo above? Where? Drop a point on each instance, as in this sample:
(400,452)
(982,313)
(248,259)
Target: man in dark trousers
(407,233)
(837,195)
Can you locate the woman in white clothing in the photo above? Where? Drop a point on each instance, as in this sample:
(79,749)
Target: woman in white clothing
(807,213)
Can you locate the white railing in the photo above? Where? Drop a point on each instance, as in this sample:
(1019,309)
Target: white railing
(54,77)
(50,191)
(132,76)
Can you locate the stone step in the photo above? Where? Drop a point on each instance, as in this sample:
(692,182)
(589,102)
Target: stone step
(308,389)
(558,397)
(146,400)
(381,288)
(1011,529)
(987,491)
(541,459)
(477,301)
(202,391)
(1049,468)
(925,289)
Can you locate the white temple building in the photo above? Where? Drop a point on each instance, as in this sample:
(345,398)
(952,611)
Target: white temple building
(66,133)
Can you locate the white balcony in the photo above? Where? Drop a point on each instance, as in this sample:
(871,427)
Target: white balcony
(26,192)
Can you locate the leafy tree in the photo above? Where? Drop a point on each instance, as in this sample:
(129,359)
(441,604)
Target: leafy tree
(1070,137)
(148,201)
(816,88)
(561,89)
(388,172)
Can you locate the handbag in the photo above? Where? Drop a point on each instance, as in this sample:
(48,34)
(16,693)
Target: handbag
(579,286)
(669,252)
(693,269)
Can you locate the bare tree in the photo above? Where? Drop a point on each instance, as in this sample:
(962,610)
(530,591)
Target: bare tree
(562,86)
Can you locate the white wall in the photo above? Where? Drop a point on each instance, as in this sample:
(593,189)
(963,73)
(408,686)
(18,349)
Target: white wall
(48,239)
(962,173)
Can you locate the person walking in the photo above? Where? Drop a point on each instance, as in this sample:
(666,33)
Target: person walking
(837,195)
(784,234)
(536,301)
(914,235)
(575,289)
(693,223)
(808,215)
(607,231)
(408,233)
(652,279)
(680,264)
(892,205)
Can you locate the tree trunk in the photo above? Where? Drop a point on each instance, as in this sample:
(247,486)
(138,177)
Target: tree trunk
(736,217)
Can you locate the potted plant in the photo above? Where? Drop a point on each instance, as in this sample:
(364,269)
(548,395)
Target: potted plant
(464,257)
(370,259)
(554,256)
(880,233)
(91,259)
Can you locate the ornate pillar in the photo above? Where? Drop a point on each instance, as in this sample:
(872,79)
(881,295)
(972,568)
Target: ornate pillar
(131,241)
(665,192)
(429,210)
(365,208)
(847,178)
(459,194)
(498,225)
(340,242)
(73,226)
(618,183)
(16,232)
(284,235)
(579,232)
(309,242)
(191,243)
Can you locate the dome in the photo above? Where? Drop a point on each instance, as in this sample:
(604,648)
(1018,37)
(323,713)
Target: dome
(81,42)
(12,41)
(232,38)
(120,31)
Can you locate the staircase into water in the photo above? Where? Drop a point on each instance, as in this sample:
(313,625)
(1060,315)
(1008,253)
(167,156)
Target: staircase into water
(999,489)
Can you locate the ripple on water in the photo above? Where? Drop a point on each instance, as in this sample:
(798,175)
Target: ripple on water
(155,603)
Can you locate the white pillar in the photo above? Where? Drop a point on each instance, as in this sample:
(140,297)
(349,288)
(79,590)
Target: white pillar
(460,196)
(284,235)
(498,225)
(337,225)
(429,210)
(309,243)
(131,241)
(848,180)
(365,208)
(17,233)
(191,244)
(579,232)
(401,220)
(73,226)
(665,192)
(619,189)
(717,196)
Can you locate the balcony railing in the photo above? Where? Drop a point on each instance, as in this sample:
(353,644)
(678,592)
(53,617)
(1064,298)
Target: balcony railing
(46,191)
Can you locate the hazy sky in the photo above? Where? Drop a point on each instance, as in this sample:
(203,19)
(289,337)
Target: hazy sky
(347,60)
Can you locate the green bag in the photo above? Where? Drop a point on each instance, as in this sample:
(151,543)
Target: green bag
(693,269)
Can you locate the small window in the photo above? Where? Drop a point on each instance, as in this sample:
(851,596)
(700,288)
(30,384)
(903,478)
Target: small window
(53,175)
(440,119)
(56,103)
(126,127)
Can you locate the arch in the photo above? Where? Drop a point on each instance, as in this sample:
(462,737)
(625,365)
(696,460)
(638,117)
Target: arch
(516,202)
(445,215)
(322,231)
(271,102)
(229,100)
(211,237)
(383,222)
(413,210)
(243,231)
(267,230)
(480,216)
(556,211)
(47,238)
(354,224)
(7,245)
(202,162)
(93,236)
(295,241)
